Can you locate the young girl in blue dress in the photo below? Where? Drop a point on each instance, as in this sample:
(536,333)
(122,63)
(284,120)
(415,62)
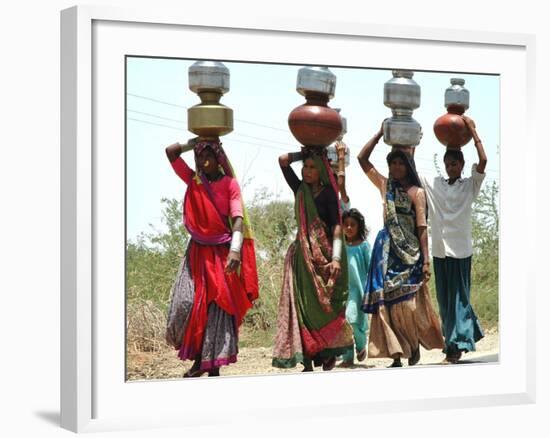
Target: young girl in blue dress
(358,252)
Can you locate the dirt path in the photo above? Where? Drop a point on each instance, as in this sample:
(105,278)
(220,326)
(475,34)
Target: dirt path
(165,365)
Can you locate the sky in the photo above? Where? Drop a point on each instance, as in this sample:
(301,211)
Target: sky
(262,96)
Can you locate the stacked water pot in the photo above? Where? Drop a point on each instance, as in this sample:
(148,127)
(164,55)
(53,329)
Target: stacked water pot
(402,96)
(332,154)
(450,129)
(209,119)
(314,124)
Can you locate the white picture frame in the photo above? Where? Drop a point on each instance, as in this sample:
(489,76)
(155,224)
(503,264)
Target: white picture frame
(94,395)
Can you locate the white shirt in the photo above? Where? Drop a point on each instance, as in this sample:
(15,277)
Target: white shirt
(450,213)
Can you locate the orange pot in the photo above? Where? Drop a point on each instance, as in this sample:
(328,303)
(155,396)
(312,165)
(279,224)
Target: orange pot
(451,130)
(314,123)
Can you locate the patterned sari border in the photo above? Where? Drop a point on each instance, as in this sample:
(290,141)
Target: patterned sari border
(380,298)
(216,363)
(338,351)
(291,362)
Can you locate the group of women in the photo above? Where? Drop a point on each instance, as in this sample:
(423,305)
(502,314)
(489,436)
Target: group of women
(332,279)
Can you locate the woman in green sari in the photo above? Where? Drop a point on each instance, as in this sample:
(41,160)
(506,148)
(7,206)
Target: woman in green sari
(311,324)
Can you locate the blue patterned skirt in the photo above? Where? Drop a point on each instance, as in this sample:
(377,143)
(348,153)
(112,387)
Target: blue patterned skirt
(389,281)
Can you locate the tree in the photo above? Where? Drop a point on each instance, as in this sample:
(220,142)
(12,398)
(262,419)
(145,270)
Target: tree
(485,262)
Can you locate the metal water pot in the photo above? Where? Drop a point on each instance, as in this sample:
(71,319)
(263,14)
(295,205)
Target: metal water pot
(332,155)
(316,80)
(457,98)
(344,125)
(401,91)
(402,95)
(210,118)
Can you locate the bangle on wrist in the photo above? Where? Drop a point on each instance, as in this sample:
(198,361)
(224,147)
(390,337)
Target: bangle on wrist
(236,241)
(337,249)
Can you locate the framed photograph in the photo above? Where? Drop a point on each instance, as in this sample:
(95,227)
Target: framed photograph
(124,99)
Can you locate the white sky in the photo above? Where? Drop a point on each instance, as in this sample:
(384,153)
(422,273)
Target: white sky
(262,96)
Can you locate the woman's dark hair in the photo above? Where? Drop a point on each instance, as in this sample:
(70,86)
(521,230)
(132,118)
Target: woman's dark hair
(355,214)
(454,154)
(312,152)
(409,164)
(306,153)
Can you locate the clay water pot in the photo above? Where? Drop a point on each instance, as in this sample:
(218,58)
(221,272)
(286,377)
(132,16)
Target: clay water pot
(314,123)
(451,130)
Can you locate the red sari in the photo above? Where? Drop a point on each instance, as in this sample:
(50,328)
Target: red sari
(206,258)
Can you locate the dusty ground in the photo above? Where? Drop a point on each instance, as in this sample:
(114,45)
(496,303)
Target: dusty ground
(257,360)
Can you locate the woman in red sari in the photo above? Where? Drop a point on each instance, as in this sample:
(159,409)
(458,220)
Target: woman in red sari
(217,280)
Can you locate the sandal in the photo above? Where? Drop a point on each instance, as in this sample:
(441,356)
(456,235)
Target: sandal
(396,364)
(413,360)
(214,372)
(194,373)
(362,355)
(308,365)
(453,358)
(329,363)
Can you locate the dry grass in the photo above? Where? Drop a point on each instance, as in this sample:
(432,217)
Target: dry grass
(146,325)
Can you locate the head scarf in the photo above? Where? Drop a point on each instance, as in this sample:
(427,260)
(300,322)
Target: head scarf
(315,252)
(401,226)
(219,153)
(409,164)
(326,174)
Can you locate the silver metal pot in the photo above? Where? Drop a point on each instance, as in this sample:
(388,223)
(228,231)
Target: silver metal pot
(457,95)
(209,76)
(401,91)
(402,132)
(332,155)
(317,80)
(344,125)
(402,95)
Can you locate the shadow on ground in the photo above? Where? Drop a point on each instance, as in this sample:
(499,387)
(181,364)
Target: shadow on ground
(50,417)
(490,358)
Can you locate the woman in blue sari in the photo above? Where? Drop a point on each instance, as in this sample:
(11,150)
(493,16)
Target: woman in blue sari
(396,293)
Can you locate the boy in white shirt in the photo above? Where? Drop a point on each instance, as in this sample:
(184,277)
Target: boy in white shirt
(450,212)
